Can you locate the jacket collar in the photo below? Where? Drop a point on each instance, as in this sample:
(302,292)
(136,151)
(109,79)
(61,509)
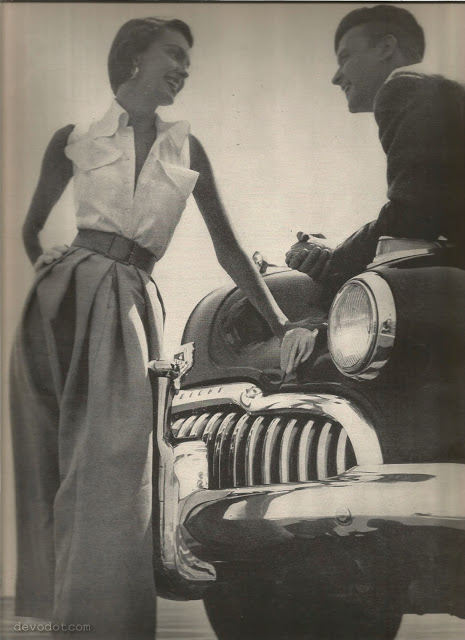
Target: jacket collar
(116,117)
(419,69)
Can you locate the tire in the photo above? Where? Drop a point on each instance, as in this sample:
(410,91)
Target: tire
(332,596)
(235,614)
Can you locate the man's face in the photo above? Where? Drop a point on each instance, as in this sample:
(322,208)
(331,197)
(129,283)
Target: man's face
(361,71)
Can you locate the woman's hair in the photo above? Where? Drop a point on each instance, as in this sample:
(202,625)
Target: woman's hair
(382,20)
(134,37)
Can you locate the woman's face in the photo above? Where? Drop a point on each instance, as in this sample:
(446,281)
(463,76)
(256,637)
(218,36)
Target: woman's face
(163,68)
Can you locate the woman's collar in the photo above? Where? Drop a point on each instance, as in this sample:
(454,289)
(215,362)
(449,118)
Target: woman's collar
(111,121)
(116,117)
(177,131)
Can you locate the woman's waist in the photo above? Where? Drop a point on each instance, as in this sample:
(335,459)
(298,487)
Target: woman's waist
(130,226)
(149,229)
(116,246)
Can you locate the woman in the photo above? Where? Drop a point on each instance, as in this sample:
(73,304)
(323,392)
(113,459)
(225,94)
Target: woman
(81,399)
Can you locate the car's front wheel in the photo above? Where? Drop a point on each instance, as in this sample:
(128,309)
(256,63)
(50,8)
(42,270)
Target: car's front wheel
(238,615)
(327,598)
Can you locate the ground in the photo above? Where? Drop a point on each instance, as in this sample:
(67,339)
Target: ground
(187,621)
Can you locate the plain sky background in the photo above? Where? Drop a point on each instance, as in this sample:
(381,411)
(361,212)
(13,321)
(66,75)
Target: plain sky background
(286,153)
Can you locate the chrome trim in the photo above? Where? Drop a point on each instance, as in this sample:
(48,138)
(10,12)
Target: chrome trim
(211,396)
(183,476)
(256,431)
(212,424)
(190,467)
(220,444)
(324,442)
(185,428)
(390,249)
(286,452)
(197,428)
(225,445)
(357,502)
(341,451)
(305,446)
(384,334)
(269,447)
(398,255)
(237,450)
(183,470)
(177,425)
(212,427)
(359,428)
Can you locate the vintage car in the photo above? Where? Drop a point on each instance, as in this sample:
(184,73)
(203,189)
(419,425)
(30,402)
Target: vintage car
(329,505)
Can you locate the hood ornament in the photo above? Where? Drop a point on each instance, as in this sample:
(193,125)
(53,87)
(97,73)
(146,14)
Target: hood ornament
(176,368)
(184,359)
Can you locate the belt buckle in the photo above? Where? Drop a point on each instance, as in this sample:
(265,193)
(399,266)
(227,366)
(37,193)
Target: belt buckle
(119,249)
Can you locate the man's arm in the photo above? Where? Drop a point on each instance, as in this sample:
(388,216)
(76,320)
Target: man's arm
(421,128)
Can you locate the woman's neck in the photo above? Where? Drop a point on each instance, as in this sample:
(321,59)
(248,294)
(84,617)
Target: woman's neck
(141,115)
(141,121)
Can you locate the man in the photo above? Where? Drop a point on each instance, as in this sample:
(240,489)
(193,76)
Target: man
(421,120)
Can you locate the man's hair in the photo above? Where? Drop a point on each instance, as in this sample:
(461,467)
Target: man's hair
(383,20)
(133,38)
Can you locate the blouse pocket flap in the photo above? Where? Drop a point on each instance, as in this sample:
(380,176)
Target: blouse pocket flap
(88,154)
(184,179)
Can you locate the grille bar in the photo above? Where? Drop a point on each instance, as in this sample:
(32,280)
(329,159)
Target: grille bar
(220,455)
(237,451)
(305,451)
(199,426)
(252,451)
(248,450)
(341,452)
(287,455)
(270,453)
(322,455)
(185,428)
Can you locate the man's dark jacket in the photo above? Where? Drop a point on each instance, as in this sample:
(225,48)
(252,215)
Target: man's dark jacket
(421,120)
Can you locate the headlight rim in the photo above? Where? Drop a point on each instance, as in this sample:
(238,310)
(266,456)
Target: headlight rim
(383,310)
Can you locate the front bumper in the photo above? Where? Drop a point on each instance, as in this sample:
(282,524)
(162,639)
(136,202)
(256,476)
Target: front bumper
(241,523)
(203,529)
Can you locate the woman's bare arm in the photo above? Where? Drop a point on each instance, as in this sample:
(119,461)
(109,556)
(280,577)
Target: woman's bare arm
(55,174)
(230,254)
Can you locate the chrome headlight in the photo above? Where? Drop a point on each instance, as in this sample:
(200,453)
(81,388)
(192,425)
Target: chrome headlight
(362,326)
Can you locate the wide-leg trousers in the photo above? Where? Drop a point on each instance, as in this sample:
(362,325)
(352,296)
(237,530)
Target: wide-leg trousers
(81,412)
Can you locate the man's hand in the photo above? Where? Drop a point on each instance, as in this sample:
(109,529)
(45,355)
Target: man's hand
(310,255)
(50,255)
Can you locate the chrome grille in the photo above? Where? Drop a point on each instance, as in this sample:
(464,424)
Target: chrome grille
(247,450)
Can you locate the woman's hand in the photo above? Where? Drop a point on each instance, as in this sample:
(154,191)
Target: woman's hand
(297,346)
(50,255)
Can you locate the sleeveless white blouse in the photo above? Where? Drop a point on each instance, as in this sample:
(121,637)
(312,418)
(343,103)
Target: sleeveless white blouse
(104,172)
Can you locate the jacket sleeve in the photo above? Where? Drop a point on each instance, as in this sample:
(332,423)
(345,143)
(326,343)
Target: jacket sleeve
(420,120)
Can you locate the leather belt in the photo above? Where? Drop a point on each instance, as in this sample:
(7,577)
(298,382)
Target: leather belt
(116,247)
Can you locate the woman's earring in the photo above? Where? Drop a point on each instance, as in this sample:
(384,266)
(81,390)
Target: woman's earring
(135,72)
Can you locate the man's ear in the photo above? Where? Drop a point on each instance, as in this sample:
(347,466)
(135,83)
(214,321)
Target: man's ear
(387,46)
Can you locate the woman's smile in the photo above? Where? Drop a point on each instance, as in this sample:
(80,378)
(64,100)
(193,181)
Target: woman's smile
(163,68)
(174,83)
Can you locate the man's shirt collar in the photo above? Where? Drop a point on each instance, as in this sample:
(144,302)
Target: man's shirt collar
(419,69)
